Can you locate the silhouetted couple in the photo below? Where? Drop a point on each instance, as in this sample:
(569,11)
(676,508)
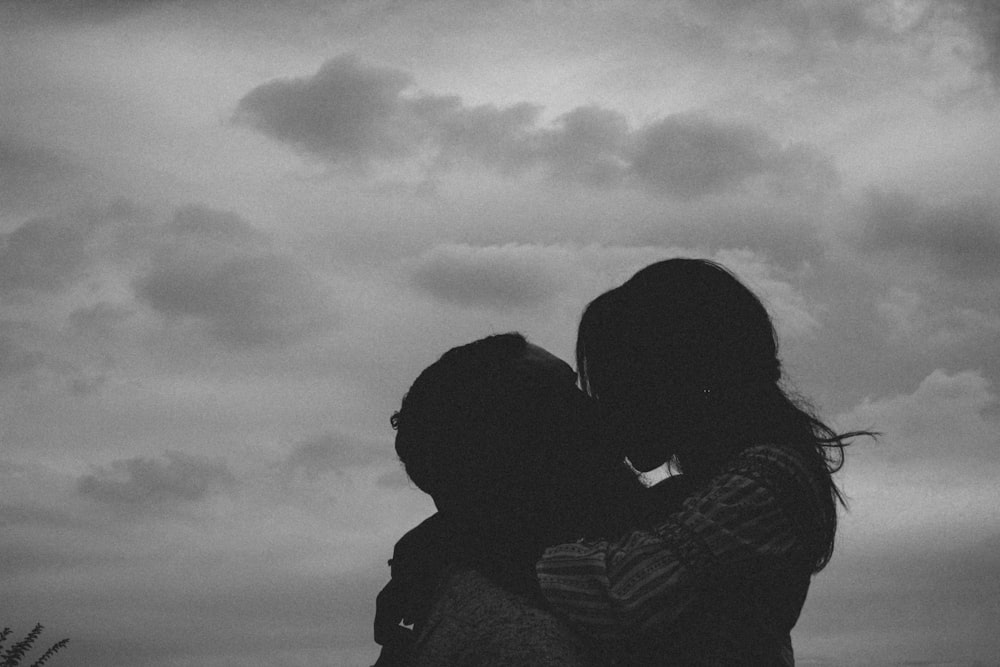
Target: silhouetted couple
(546,549)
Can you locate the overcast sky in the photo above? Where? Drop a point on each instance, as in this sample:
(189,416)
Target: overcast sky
(232,233)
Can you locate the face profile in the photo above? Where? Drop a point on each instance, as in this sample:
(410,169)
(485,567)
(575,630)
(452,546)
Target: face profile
(498,424)
(677,354)
(500,436)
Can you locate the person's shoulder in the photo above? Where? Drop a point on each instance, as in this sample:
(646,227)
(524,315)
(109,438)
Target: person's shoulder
(484,623)
(774,461)
(478,600)
(795,477)
(764,479)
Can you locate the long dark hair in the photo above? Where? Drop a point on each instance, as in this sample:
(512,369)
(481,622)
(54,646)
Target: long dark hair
(691,325)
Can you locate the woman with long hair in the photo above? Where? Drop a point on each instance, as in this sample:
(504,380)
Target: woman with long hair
(683,361)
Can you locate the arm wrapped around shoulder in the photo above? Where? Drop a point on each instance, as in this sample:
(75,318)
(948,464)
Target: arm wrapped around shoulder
(756,518)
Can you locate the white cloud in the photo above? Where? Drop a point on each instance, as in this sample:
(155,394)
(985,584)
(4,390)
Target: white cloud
(921,532)
(793,313)
(944,419)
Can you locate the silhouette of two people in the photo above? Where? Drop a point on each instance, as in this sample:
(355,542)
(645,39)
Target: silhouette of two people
(546,549)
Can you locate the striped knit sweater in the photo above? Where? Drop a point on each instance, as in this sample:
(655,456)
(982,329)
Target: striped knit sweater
(719,582)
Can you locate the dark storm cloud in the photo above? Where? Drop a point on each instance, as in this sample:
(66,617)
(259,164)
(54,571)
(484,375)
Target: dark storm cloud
(500,277)
(143,482)
(43,254)
(332,453)
(203,265)
(501,138)
(16,360)
(208,224)
(983,19)
(346,111)
(962,238)
(244,301)
(99,320)
(688,156)
(353,113)
(87,11)
(588,145)
(49,253)
(840,20)
(25,169)
(215,269)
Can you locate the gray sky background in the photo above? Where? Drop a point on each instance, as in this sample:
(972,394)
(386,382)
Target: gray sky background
(232,233)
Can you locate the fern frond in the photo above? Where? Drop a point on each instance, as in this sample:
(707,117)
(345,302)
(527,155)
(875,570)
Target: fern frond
(13,656)
(55,648)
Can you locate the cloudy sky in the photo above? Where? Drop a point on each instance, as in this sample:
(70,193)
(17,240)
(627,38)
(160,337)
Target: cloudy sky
(232,233)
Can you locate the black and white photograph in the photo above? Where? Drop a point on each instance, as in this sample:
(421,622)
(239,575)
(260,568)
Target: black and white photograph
(499,333)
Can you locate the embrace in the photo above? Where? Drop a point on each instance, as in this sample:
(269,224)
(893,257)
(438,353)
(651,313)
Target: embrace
(546,549)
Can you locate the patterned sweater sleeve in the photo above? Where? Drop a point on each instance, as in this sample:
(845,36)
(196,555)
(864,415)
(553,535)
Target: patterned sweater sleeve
(750,519)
